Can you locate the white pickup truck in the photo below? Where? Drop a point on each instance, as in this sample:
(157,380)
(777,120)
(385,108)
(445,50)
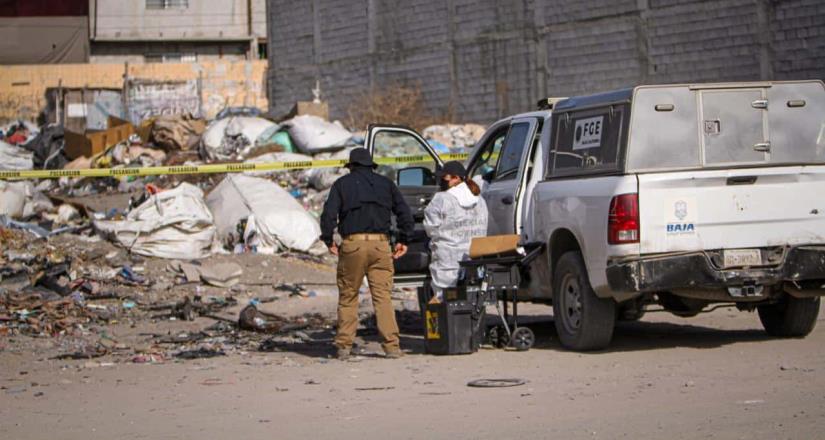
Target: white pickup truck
(678,195)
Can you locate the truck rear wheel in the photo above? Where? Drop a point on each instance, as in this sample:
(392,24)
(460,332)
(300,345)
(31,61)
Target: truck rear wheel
(583,320)
(791,317)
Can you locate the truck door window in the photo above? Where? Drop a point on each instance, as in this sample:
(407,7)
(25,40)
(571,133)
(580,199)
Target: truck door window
(486,163)
(510,159)
(587,141)
(391,145)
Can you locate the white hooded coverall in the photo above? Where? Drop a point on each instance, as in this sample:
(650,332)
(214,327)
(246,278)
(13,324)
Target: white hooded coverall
(451,220)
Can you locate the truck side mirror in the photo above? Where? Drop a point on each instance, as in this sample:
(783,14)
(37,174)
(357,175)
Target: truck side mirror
(415,176)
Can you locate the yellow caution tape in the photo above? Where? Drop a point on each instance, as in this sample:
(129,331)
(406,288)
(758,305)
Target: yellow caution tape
(215,168)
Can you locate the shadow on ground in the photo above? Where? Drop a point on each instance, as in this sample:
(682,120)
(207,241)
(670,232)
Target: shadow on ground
(628,336)
(642,335)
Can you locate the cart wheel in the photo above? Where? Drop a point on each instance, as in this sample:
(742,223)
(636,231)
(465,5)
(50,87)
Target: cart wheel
(492,336)
(497,336)
(522,339)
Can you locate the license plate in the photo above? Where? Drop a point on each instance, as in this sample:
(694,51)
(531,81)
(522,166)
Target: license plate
(743,257)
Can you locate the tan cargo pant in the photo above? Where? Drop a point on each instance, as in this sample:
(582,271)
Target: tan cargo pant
(358,257)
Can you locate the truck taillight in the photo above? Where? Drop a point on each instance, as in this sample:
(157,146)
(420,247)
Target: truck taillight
(623,219)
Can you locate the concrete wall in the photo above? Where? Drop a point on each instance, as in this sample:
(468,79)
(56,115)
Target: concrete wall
(483,59)
(23,88)
(126,30)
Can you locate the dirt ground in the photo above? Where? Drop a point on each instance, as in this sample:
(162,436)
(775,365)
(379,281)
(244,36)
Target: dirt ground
(714,376)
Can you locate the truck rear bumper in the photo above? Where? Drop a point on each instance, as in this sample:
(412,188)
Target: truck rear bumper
(696,271)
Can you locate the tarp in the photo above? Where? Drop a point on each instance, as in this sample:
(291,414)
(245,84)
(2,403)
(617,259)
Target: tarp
(177,132)
(276,218)
(48,147)
(44,40)
(171,224)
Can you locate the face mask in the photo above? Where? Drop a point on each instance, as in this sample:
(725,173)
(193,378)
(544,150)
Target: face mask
(443,185)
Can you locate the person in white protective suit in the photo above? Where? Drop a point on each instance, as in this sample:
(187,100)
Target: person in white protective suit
(454,216)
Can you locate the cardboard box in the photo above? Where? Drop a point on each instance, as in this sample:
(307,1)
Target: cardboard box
(494,245)
(320,109)
(92,143)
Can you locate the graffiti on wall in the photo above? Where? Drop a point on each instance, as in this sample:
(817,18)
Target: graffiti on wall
(147,98)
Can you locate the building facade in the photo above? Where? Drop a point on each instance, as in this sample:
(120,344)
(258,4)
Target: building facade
(44,32)
(483,59)
(139,31)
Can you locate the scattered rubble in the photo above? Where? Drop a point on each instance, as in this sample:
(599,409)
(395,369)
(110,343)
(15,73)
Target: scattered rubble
(79,256)
(215,274)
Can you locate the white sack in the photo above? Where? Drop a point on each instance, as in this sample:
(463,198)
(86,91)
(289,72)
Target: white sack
(14,158)
(212,138)
(171,224)
(248,127)
(22,200)
(12,198)
(311,134)
(279,221)
(233,137)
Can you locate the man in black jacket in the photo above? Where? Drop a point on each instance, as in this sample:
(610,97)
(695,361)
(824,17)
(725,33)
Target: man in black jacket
(361,205)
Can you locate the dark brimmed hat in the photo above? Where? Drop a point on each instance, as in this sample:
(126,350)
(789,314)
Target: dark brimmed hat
(453,168)
(360,156)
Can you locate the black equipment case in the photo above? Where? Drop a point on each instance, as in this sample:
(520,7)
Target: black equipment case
(454,325)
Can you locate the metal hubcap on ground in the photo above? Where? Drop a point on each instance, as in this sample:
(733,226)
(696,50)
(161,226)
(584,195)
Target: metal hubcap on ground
(571,303)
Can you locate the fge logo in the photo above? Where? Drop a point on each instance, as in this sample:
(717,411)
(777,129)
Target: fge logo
(588,133)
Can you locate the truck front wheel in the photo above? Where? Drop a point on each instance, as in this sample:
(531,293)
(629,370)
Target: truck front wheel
(791,317)
(583,320)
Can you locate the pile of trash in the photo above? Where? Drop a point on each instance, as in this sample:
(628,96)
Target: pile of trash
(189,216)
(78,254)
(453,138)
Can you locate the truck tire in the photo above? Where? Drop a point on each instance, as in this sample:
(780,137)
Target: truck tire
(791,317)
(583,320)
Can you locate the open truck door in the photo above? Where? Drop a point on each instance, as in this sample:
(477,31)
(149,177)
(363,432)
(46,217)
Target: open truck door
(498,162)
(408,160)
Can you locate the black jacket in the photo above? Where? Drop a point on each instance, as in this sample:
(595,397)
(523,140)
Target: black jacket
(363,202)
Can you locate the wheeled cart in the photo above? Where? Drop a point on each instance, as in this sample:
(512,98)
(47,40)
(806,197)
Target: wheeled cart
(497,278)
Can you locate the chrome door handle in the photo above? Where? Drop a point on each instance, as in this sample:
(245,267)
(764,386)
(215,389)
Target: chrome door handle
(762,147)
(760,103)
